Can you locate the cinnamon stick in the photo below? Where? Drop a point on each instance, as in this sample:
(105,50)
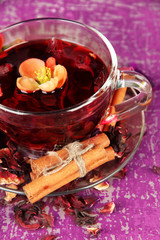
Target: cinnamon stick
(32,176)
(47,161)
(117,98)
(44,185)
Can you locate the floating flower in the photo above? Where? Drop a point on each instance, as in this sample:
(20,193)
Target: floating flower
(38,75)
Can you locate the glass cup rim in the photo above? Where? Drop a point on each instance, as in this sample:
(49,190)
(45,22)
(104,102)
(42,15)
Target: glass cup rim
(91,99)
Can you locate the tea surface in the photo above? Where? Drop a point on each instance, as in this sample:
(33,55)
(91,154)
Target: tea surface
(86,74)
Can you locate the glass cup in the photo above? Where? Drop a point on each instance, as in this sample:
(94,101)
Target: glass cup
(36,133)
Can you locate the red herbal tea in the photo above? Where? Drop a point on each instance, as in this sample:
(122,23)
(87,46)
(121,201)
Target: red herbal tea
(86,73)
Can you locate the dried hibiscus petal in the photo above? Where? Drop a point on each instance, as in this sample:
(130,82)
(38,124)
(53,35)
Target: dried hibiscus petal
(1,41)
(77,202)
(85,217)
(48,220)
(18,198)
(8,156)
(51,237)
(156,169)
(32,217)
(72,202)
(118,138)
(62,201)
(3,203)
(5,69)
(1,92)
(7,177)
(121,174)
(100,186)
(93,230)
(11,172)
(90,201)
(19,220)
(78,206)
(9,195)
(13,166)
(108,208)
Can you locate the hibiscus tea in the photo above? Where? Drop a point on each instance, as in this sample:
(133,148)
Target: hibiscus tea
(86,73)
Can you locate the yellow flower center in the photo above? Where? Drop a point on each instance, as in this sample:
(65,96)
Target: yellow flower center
(43,75)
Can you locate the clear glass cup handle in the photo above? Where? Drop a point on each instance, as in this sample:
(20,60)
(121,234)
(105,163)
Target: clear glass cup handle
(137,81)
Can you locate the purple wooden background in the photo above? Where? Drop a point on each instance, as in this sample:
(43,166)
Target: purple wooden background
(133,27)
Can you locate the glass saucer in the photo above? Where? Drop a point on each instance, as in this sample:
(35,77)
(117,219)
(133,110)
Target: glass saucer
(135,126)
